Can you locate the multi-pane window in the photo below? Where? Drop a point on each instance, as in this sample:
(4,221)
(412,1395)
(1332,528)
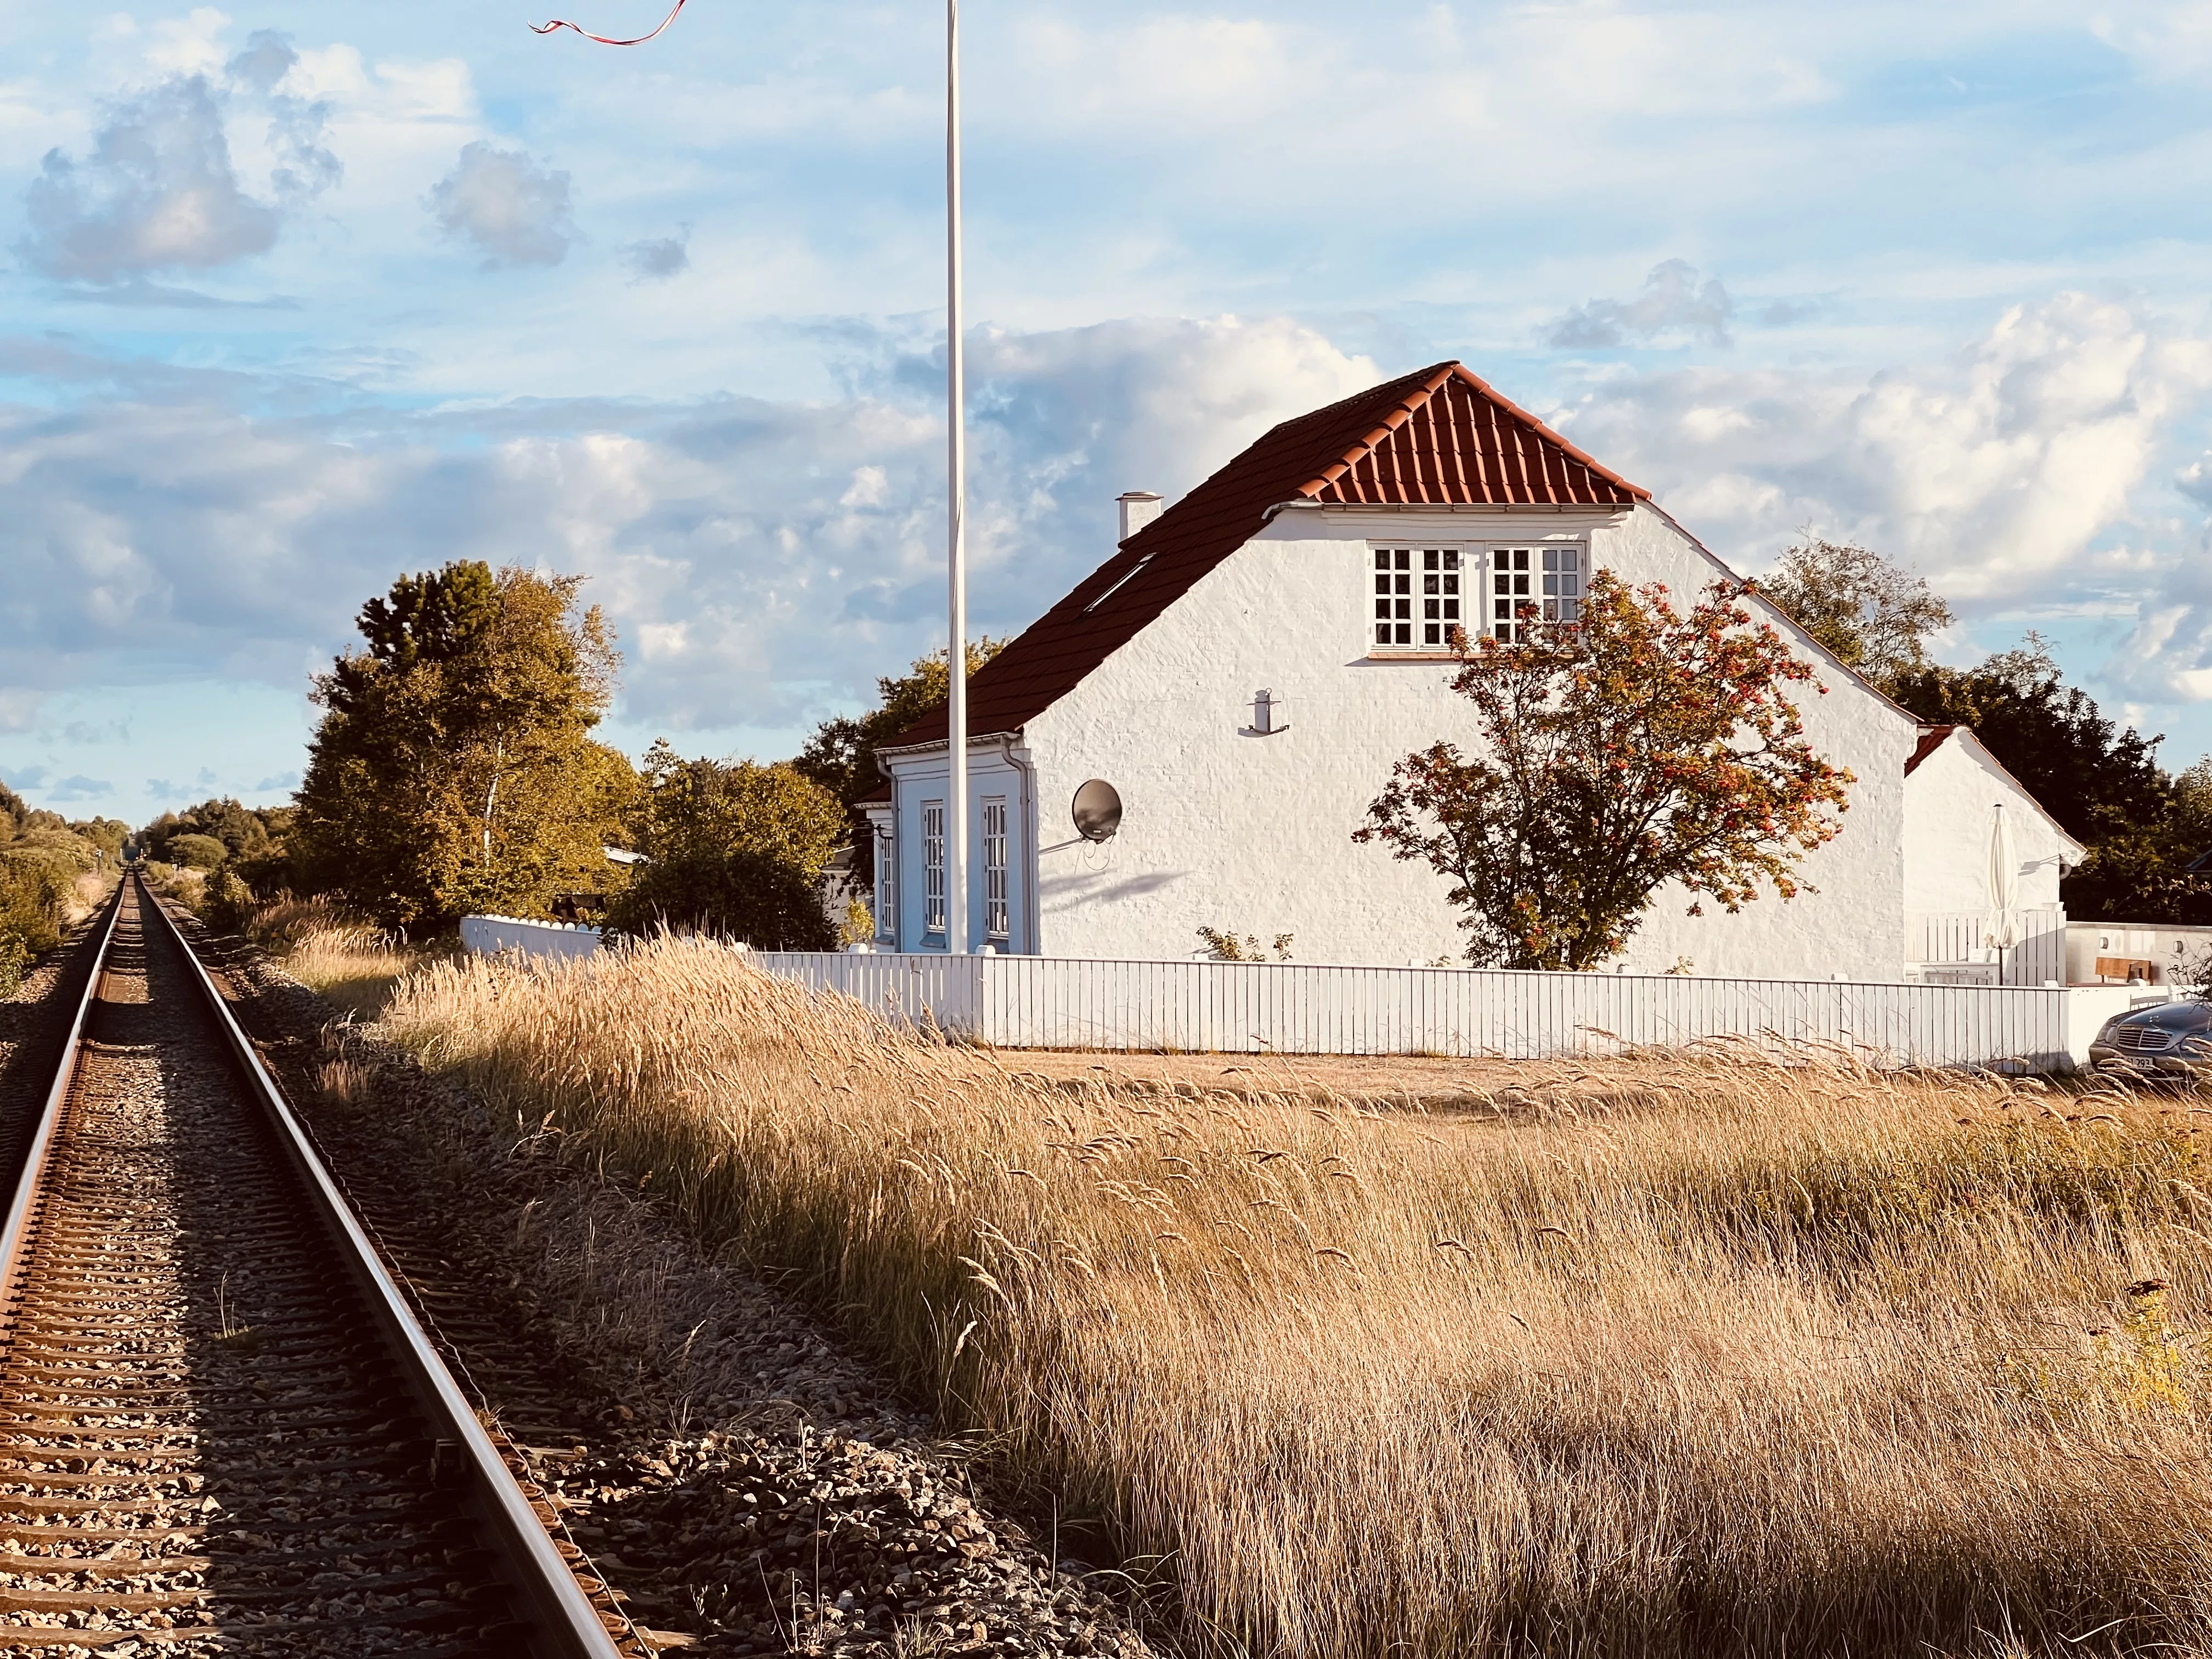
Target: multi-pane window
(994,866)
(1416,597)
(1393,596)
(1533,585)
(886,887)
(1563,583)
(932,866)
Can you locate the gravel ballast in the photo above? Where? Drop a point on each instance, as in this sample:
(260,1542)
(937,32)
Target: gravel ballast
(747,1485)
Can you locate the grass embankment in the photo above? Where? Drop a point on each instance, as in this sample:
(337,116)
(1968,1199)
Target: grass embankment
(351,964)
(1692,1358)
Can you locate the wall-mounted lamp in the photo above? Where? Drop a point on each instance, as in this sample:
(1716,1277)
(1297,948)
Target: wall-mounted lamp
(1269,715)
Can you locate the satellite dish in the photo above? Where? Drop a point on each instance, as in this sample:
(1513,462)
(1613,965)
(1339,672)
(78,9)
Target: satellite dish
(1097,811)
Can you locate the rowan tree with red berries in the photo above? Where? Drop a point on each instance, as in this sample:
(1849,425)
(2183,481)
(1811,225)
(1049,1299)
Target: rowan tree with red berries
(1635,747)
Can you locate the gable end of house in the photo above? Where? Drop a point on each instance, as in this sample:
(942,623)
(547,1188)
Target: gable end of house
(1438,437)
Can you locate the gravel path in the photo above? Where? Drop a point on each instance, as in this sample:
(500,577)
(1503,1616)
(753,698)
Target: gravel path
(746,1485)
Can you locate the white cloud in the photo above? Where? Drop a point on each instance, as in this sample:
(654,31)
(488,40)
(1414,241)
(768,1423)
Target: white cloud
(160,190)
(762,561)
(1673,303)
(1997,473)
(2169,41)
(514,210)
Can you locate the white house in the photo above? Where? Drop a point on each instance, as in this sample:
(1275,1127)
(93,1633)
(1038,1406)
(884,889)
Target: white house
(1245,670)
(1955,792)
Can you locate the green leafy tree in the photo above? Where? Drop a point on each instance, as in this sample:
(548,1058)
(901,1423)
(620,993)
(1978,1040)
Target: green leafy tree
(2096,778)
(2141,873)
(196,852)
(256,863)
(36,885)
(1872,615)
(841,755)
(1640,747)
(240,828)
(454,769)
(736,850)
(109,835)
(41,861)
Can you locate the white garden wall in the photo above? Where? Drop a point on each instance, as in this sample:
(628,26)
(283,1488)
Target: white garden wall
(2171,951)
(1956,938)
(487,935)
(1260,1007)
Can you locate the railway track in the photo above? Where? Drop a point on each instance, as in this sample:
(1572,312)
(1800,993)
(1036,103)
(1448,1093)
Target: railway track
(222,1428)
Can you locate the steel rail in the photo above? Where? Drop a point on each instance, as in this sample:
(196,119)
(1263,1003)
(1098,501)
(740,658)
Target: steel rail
(50,1116)
(565,1622)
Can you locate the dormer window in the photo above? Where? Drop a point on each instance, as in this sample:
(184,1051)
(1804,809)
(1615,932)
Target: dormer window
(1417,597)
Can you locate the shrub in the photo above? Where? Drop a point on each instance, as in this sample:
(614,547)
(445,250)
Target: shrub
(737,850)
(198,852)
(1225,946)
(14,958)
(34,893)
(744,892)
(226,902)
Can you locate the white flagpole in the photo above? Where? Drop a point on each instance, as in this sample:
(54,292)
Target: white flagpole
(955,852)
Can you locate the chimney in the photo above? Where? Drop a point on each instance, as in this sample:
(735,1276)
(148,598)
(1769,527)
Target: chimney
(1138,508)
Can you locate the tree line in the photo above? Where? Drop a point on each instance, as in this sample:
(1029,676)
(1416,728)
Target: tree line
(44,860)
(455,770)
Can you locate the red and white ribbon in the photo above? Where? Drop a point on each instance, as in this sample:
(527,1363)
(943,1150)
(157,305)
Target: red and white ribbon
(563,23)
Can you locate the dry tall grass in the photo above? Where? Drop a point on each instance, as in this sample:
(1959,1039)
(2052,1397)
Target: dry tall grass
(350,963)
(1656,1358)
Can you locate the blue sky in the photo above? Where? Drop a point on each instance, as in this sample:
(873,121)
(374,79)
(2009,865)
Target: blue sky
(296,298)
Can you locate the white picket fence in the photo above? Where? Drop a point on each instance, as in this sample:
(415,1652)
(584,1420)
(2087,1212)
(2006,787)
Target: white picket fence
(1944,938)
(1248,1007)
(1306,1008)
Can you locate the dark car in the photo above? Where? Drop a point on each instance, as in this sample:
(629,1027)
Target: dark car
(2171,1037)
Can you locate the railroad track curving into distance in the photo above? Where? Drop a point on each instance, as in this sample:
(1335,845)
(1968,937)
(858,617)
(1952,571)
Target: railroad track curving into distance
(222,1431)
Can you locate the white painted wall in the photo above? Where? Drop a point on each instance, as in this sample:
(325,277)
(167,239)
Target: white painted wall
(2169,950)
(487,935)
(1252,833)
(1950,803)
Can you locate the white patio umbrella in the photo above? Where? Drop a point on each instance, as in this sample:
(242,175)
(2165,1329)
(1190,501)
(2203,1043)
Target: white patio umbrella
(2003,929)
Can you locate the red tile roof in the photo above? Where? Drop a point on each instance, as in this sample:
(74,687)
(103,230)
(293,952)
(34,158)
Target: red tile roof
(1438,437)
(1932,738)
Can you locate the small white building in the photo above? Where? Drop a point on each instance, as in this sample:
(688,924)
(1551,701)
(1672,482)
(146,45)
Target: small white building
(1954,791)
(1245,670)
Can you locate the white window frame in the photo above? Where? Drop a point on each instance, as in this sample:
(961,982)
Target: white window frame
(1549,577)
(886,885)
(994,867)
(932,866)
(1416,594)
